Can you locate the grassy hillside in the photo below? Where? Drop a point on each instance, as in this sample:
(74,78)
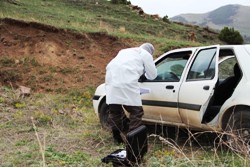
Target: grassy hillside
(70,40)
(100,15)
(59,49)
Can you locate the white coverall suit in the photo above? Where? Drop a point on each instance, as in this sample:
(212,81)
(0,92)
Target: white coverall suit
(121,83)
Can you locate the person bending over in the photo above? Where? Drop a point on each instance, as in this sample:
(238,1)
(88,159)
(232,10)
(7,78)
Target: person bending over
(122,87)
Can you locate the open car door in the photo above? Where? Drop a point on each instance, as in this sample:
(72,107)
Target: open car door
(197,89)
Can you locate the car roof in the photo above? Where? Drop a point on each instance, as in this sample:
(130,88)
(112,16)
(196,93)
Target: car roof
(222,47)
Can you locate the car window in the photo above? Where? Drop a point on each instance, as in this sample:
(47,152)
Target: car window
(226,68)
(203,66)
(171,67)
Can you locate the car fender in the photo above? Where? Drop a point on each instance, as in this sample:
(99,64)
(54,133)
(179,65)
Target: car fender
(100,94)
(240,99)
(100,90)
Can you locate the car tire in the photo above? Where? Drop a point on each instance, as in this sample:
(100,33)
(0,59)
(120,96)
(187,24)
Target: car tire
(103,116)
(238,132)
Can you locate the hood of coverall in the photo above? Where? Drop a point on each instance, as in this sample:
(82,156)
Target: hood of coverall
(148,47)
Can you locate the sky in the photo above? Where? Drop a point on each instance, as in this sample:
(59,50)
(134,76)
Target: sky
(175,7)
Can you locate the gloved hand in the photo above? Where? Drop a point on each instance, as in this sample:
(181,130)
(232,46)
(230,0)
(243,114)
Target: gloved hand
(142,78)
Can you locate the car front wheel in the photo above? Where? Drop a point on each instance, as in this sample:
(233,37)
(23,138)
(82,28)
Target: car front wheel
(238,132)
(103,115)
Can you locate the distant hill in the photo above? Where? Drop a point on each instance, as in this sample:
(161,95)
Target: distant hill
(236,16)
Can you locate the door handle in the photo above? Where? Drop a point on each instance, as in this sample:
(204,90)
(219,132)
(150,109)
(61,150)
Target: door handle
(206,87)
(169,87)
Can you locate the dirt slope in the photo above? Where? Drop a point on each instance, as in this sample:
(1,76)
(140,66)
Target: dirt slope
(45,58)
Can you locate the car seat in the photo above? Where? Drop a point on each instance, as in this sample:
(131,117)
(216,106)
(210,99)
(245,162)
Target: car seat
(226,88)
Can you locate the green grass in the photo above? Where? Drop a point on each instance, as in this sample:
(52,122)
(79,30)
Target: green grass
(70,135)
(67,125)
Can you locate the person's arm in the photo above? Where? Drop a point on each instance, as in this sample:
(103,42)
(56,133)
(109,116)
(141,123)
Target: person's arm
(149,65)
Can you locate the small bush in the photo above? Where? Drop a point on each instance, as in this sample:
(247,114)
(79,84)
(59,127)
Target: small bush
(67,70)
(7,62)
(31,61)
(166,19)
(9,76)
(120,2)
(19,105)
(230,36)
(42,118)
(47,78)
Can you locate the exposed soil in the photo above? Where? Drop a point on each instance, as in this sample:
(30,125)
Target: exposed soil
(45,58)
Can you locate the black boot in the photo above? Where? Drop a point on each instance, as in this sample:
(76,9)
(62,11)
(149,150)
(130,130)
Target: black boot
(117,136)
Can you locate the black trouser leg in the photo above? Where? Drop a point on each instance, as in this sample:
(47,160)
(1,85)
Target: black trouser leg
(135,116)
(117,119)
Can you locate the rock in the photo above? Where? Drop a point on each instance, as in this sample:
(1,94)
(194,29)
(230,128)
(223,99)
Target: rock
(23,91)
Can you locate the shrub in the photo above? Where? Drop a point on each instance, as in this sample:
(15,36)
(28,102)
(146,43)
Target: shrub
(120,2)
(166,19)
(6,61)
(230,36)
(9,76)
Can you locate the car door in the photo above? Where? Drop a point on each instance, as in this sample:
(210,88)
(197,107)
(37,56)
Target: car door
(198,86)
(160,105)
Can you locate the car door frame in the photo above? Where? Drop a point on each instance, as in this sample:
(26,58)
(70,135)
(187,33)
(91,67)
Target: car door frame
(194,96)
(161,104)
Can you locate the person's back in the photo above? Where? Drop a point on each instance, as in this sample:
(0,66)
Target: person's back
(125,68)
(122,75)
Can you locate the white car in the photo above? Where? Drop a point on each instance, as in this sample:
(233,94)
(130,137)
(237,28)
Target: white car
(202,88)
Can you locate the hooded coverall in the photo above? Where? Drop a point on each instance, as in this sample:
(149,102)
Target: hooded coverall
(122,87)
